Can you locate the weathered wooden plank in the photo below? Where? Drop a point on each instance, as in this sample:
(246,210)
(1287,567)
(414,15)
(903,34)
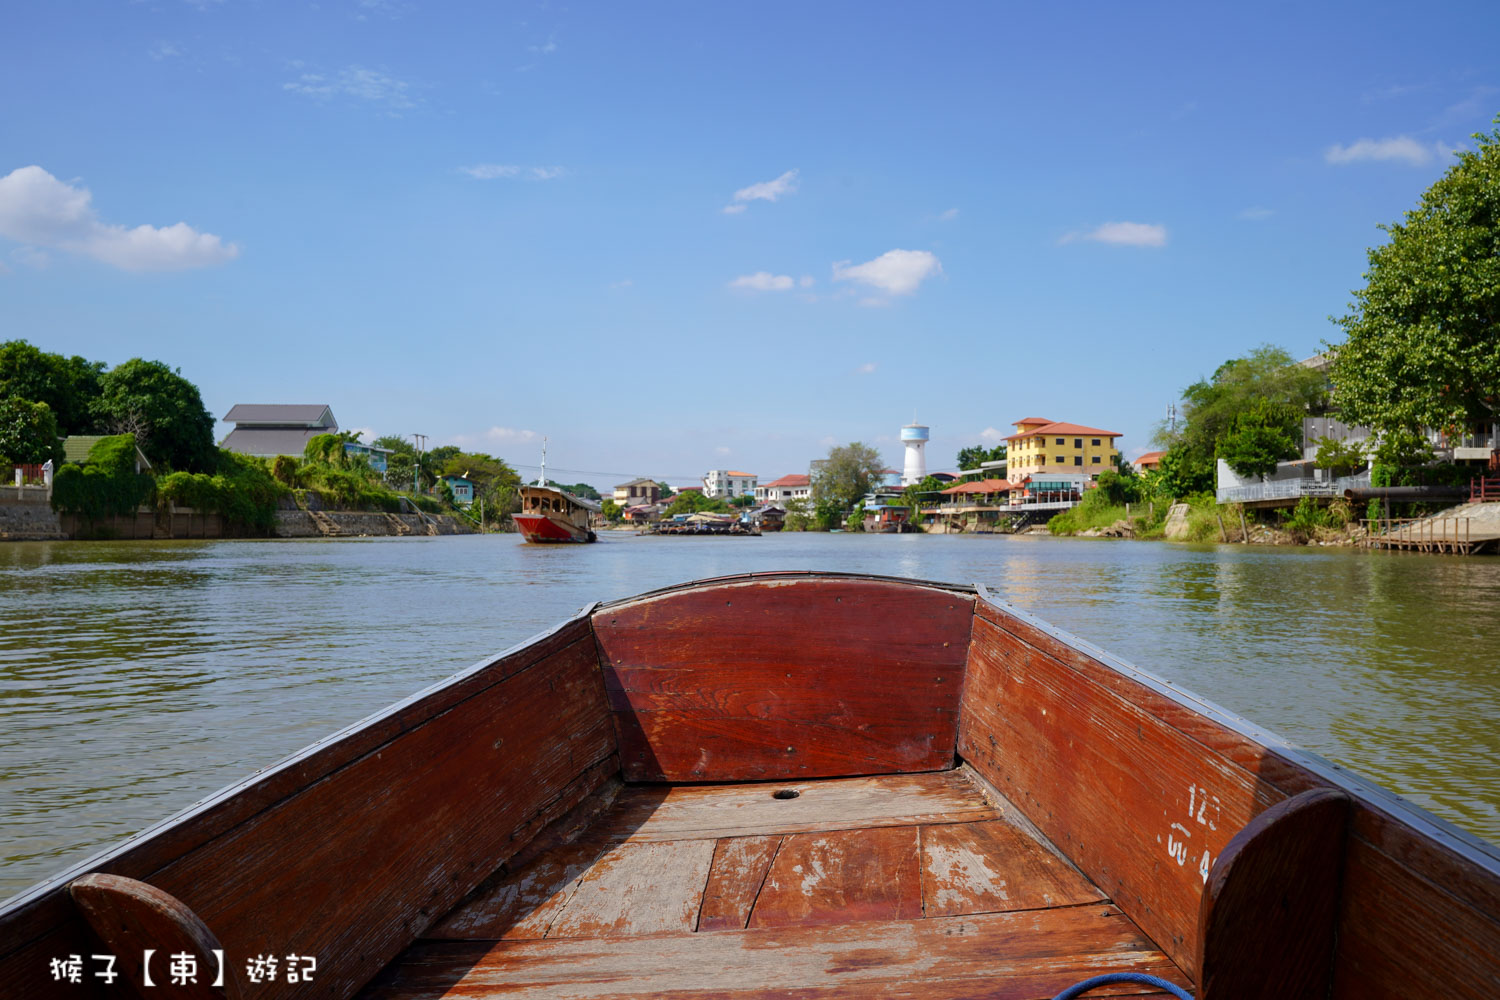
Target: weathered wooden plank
(738,872)
(1028,955)
(1401,936)
(44,921)
(523,903)
(763,680)
(714,811)
(635,889)
(992,867)
(354,867)
(1266,926)
(1140,806)
(842,877)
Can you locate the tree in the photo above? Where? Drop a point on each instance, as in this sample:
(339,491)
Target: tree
(1420,337)
(69,386)
(844,477)
(976,454)
(613,512)
(1340,458)
(1210,407)
(1259,437)
(394,443)
(163,410)
(666,491)
(28,433)
(693,502)
(799,513)
(581,490)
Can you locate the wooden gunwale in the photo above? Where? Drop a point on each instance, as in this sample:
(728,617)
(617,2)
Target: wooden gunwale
(769,576)
(1439,830)
(23,918)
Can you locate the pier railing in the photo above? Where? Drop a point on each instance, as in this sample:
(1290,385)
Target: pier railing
(1484,489)
(1292,489)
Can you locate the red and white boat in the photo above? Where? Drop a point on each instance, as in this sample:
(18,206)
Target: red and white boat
(549,514)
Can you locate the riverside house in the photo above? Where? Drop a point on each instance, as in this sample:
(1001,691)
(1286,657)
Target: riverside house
(1050,446)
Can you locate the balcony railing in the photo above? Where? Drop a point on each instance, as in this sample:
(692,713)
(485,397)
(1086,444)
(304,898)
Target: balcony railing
(1292,489)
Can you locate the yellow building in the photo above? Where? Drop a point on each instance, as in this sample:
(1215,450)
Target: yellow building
(1041,445)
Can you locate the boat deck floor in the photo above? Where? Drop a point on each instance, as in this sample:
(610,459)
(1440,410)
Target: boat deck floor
(910,886)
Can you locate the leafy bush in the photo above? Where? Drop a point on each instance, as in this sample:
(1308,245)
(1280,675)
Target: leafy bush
(284,470)
(243,492)
(104,486)
(28,433)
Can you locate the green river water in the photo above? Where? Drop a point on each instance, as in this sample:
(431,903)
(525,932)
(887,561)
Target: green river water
(137,677)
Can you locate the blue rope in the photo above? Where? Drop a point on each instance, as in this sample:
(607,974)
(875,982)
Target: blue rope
(1079,989)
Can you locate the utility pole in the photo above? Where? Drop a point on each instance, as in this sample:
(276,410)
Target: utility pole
(416,474)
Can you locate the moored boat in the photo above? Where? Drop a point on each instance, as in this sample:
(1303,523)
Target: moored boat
(786,784)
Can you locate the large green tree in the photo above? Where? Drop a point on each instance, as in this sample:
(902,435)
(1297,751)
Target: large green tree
(1422,338)
(844,477)
(28,433)
(1210,407)
(163,410)
(69,386)
(1259,436)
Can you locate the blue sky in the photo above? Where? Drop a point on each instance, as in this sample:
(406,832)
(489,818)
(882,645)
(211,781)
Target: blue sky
(674,237)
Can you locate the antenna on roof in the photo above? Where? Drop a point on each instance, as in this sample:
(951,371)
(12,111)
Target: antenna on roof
(543,480)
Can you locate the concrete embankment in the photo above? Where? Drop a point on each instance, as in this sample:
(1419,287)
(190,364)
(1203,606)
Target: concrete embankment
(26,515)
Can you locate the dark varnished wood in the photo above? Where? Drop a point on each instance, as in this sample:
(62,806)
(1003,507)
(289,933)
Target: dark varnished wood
(1029,955)
(43,922)
(785,678)
(1140,806)
(739,870)
(1266,926)
(841,877)
(130,918)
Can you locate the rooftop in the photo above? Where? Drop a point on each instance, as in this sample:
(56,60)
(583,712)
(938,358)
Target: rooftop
(790,481)
(1063,428)
(300,414)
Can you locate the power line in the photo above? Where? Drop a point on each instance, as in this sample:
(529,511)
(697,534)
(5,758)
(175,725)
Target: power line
(595,472)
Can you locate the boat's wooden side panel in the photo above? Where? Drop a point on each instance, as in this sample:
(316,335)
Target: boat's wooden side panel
(1419,911)
(348,852)
(1142,806)
(791,678)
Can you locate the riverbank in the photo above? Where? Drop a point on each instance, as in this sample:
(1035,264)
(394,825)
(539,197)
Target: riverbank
(27,516)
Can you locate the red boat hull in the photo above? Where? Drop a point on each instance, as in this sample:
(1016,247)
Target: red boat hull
(543,529)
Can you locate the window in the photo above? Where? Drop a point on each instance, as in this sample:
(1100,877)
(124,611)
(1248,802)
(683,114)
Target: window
(1078,460)
(1095,442)
(1078,442)
(1060,460)
(1061,440)
(1096,459)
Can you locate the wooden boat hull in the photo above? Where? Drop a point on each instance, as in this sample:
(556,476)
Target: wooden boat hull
(1224,857)
(547,530)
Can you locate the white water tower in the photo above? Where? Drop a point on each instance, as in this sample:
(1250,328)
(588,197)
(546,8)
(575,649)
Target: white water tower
(914,436)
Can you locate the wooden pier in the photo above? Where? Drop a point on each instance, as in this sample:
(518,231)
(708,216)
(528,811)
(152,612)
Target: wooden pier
(1456,535)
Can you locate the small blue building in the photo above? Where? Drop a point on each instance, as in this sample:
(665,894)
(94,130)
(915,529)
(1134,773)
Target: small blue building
(463,489)
(379,458)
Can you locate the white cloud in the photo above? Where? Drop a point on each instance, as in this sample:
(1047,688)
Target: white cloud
(949,215)
(1129,234)
(365,434)
(164,50)
(31,257)
(1256,213)
(1401,147)
(373,85)
(806,281)
(39,209)
(763,281)
(493,171)
(992,435)
(764,191)
(868,368)
(895,272)
(721,450)
(496,435)
(622,283)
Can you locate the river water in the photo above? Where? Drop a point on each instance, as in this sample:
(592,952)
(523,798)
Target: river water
(137,677)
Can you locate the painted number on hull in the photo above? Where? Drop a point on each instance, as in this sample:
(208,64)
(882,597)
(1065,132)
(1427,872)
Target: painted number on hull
(1204,809)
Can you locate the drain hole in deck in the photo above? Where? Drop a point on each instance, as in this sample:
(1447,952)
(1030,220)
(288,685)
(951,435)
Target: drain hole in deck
(786,793)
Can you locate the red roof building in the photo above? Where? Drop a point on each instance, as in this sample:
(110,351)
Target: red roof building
(783,489)
(1058,446)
